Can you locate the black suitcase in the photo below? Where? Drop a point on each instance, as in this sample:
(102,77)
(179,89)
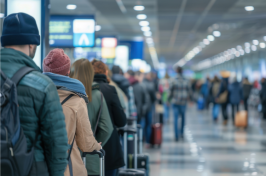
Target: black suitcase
(101,154)
(130,144)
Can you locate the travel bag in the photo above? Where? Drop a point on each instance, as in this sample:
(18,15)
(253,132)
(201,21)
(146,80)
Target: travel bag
(241,119)
(200,103)
(130,144)
(101,154)
(156,134)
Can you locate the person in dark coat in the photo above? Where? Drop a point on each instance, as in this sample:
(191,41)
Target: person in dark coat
(139,92)
(263,97)
(247,86)
(114,154)
(120,80)
(235,96)
(213,92)
(223,89)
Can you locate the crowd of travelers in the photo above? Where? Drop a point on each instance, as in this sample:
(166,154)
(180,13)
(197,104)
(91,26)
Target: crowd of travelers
(227,91)
(76,106)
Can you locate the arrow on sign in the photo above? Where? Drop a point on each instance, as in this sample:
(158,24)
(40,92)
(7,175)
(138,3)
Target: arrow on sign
(85,39)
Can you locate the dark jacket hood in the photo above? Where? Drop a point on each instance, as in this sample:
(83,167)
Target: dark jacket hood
(120,80)
(100,78)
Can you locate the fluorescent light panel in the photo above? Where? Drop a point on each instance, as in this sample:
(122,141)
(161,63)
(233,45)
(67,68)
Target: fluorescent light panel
(139,8)
(71,6)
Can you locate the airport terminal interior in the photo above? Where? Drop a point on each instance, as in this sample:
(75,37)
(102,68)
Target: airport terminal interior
(212,53)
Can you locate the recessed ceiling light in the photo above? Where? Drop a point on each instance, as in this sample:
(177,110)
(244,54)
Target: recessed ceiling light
(247,45)
(254,48)
(262,45)
(216,33)
(206,41)
(141,16)
(148,33)
(98,27)
(255,42)
(146,28)
(71,6)
(139,8)
(210,38)
(144,23)
(2,15)
(247,50)
(249,8)
(149,40)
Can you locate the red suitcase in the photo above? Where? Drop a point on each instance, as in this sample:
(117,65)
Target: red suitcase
(156,135)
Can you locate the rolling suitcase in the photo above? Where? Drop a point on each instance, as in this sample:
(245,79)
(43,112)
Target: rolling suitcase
(241,119)
(142,158)
(156,134)
(101,154)
(130,134)
(200,103)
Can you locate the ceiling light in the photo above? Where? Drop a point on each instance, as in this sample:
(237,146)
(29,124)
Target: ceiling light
(254,48)
(149,40)
(206,41)
(71,6)
(233,51)
(255,42)
(148,33)
(262,45)
(98,27)
(249,8)
(141,16)
(2,15)
(239,47)
(216,33)
(210,38)
(247,45)
(146,28)
(144,23)
(264,38)
(139,8)
(242,52)
(247,50)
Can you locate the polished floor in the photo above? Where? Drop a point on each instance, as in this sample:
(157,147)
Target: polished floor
(211,149)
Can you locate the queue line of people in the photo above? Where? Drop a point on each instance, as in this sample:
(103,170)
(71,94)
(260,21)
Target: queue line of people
(71,107)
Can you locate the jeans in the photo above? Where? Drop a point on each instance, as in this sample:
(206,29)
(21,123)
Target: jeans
(246,104)
(224,111)
(215,111)
(166,112)
(111,172)
(148,123)
(179,109)
(233,111)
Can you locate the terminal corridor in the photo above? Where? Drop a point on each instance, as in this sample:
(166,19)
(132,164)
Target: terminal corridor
(211,149)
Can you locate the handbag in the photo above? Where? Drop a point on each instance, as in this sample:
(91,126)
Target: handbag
(222,97)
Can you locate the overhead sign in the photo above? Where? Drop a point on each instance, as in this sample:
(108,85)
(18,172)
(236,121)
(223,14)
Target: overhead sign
(72,31)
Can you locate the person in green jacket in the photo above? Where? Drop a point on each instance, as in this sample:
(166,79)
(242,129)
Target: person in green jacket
(83,71)
(40,111)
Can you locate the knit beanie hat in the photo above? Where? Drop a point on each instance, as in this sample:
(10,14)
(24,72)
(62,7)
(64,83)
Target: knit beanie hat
(20,29)
(57,62)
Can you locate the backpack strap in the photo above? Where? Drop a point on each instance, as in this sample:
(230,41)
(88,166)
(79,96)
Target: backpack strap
(67,98)
(99,115)
(20,74)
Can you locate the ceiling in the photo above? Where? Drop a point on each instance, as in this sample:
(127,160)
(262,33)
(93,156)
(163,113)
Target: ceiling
(177,25)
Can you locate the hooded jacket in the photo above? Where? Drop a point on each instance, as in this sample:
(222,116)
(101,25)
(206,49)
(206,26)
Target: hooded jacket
(122,83)
(104,128)
(40,113)
(77,121)
(140,99)
(235,93)
(246,89)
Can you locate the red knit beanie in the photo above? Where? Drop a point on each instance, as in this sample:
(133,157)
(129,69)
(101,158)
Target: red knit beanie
(56,62)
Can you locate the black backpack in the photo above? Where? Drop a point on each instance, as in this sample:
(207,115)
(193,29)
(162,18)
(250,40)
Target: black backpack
(15,159)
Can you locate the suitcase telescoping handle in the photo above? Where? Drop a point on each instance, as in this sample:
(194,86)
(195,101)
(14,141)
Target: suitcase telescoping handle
(125,131)
(101,154)
(132,122)
(140,138)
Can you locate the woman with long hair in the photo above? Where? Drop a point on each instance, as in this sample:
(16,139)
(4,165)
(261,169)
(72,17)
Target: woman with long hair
(114,154)
(97,109)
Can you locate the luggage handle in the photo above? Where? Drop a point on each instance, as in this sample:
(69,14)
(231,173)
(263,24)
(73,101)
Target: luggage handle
(101,154)
(131,130)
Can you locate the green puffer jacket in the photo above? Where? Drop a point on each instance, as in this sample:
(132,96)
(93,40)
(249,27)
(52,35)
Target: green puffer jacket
(40,114)
(104,129)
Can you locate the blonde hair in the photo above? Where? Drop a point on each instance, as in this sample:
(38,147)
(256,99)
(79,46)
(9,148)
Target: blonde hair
(83,71)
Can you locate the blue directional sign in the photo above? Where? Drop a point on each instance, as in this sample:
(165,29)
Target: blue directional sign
(72,31)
